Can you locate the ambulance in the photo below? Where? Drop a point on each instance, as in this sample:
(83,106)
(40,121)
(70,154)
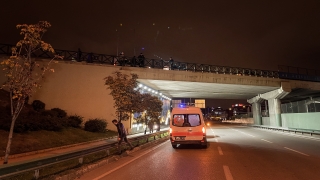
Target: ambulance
(187,126)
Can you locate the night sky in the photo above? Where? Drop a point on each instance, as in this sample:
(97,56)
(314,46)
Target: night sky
(248,33)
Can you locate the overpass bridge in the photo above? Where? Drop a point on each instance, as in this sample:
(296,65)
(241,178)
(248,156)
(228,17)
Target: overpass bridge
(183,84)
(80,82)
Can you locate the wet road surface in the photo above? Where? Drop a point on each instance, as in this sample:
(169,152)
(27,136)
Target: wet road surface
(234,152)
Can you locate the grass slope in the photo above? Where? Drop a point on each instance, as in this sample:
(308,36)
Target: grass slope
(38,140)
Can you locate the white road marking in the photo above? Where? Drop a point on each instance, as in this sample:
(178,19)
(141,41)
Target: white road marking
(227,173)
(294,135)
(266,141)
(144,153)
(220,150)
(213,133)
(296,151)
(249,134)
(244,133)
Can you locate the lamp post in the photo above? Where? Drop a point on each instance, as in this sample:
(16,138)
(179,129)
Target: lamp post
(134,42)
(117,42)
(117,30)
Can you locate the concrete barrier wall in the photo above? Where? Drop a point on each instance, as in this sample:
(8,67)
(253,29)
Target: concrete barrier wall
(188,76)
(266,121)
(301,120)
(243,121)
(80,90)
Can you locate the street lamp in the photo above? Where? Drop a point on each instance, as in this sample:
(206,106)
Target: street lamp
(117,30)
(117,42)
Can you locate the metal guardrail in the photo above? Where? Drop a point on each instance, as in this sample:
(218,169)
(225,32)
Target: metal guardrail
(294,130)
(146,62)
(33,169)
(298,70)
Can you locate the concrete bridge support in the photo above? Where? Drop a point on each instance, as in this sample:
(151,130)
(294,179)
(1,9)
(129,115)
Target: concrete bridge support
(274,103)
(256,109)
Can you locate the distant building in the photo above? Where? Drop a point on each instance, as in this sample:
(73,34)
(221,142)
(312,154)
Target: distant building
(200,103)
(239,110)
(218,114)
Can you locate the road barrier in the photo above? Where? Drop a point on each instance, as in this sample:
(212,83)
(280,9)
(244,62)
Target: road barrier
(49,166)
(249,122)
(294,130)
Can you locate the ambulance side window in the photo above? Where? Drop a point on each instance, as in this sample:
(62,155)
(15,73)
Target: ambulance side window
(194,119)
(178,120)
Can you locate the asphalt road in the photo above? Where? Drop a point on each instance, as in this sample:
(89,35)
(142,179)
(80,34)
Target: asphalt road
(234,152)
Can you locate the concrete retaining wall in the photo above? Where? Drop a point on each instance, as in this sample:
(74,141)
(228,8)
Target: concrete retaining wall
(79,89)
(301,120)
(297,120)
(266,121)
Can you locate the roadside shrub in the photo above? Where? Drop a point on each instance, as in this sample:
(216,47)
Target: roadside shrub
(38,105)
(60,113)
(33,113)
(51,123)
(75,121)
(95,125)
(4,111)
(19,125)
(8,110)
(34,121)
(5,119)
(23,124)
(49,113)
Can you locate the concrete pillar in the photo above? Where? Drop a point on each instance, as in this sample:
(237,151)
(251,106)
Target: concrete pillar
(274,103)
(256,109)
(275,112)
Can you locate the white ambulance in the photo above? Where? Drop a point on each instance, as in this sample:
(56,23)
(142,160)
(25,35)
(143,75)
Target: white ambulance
(187,126)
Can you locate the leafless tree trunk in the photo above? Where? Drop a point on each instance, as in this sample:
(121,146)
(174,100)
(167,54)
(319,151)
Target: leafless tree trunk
(14,116)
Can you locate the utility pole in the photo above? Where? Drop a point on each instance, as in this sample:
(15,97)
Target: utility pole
(117,42)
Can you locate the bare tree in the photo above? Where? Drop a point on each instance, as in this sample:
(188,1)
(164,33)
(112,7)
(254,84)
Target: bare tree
(23,72)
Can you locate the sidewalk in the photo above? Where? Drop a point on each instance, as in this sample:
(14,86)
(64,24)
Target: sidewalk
(60,150)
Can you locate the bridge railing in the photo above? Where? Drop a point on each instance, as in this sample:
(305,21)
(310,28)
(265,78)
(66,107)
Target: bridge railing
(146,62)
(299,70)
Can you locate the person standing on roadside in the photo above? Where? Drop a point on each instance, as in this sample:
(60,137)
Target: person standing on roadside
(150,124)
(133,61)
(122,135)
(141,60)
(171,62)
(79,54)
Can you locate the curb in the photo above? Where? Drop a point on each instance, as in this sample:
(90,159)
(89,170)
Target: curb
(52,149)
